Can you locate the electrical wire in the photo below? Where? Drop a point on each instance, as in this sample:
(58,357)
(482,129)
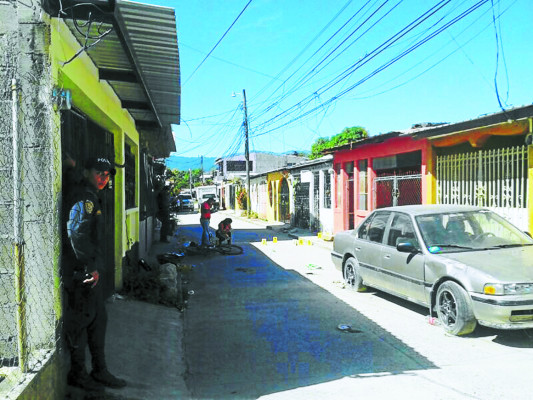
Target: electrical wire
(381,68)
(231,63)
(220,40)
(459,47)
(361,62)
(317,70)
(306,47)
(302,110)
(498,44)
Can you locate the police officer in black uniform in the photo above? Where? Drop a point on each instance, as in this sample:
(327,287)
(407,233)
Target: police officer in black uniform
(82,271)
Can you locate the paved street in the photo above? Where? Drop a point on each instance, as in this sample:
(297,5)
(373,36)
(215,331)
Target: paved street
(264,325)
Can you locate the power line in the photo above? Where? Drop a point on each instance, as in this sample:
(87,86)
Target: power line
(459,47)
(231,63)
(498,44)
(220,40)
(373,73)
(304,49)
(364,60)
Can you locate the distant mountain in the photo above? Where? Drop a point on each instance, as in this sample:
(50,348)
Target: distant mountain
(184,163)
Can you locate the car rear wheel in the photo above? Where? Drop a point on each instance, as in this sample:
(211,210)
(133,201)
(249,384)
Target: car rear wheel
(454,309)
(352,277)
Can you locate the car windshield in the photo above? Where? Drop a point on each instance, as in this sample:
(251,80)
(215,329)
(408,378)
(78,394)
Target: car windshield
(469,231)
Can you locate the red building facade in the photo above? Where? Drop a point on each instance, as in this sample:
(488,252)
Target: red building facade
(380,171)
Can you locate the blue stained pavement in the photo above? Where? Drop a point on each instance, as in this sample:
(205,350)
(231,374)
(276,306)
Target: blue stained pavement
(291,331)
(254,328)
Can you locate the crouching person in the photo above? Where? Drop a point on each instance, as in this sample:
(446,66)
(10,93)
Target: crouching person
(223,232)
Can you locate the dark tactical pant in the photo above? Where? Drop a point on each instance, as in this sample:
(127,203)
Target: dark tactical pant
(85,324)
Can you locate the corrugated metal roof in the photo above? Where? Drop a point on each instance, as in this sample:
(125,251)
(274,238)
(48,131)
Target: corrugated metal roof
(140,60)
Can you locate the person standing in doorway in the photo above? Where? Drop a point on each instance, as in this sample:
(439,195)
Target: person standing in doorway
(163,213)
(205,219)
(83,273)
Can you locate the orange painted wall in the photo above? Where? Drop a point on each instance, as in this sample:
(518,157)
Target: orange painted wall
(389,147)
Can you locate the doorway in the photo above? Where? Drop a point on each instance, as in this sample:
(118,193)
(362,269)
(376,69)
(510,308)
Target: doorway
(284,205)
(81,138)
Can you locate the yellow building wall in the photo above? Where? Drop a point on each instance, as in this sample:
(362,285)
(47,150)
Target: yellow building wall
(97,100)
(430,177)
(530,178)
(273,182)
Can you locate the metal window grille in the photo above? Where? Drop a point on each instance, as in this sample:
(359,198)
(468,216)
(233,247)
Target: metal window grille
(301,205)
(315,217)
(238,166)
(495,178)
(129,180)
(397,190)
(327,189)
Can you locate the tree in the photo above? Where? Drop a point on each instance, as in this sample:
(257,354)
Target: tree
(347,135)
(242,198)
(181,179)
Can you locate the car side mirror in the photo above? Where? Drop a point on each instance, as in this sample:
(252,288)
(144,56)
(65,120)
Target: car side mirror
(406,247)
(527,233)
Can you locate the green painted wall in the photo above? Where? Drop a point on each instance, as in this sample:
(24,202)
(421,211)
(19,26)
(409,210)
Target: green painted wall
(98,101)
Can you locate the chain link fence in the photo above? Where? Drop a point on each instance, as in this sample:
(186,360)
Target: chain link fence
(29,220)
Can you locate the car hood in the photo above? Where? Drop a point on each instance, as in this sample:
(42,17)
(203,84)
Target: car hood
(507,265)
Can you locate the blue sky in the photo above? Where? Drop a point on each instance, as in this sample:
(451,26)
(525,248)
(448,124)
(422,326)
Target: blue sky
(311,68)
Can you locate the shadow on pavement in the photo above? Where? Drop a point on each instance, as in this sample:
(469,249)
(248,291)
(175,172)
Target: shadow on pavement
(253,328)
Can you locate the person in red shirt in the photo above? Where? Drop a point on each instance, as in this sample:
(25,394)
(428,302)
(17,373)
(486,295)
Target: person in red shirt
(224,230)
(205,219)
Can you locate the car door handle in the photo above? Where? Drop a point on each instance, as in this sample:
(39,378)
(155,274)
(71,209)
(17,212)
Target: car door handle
(387,256)
(357,249)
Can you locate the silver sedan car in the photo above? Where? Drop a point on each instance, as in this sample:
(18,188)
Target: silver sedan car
(467,264)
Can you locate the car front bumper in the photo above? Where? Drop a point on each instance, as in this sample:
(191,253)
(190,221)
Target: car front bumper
(503,312)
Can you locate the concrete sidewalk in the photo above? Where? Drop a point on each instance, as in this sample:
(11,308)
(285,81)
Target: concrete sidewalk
(144,345)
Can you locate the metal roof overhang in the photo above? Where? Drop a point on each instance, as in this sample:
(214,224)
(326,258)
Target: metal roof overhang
(513,122)
(139,58)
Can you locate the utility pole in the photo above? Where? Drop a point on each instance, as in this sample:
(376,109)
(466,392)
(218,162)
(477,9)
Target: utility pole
(246,155)
(190,181)
(202,167)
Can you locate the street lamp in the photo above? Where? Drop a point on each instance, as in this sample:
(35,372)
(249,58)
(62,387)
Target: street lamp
(246,152)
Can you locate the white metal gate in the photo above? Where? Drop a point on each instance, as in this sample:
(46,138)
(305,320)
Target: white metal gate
(496,179)
(397,190)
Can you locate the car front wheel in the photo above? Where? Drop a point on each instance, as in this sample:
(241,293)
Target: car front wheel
(454,309)
(352,277)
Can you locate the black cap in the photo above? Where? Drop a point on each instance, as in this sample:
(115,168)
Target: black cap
(101,164)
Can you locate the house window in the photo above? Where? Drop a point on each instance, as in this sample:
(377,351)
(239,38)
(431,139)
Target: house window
(362,166)
(238,166)
(350,199)
(129,178)
(327,189)
(338,187)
